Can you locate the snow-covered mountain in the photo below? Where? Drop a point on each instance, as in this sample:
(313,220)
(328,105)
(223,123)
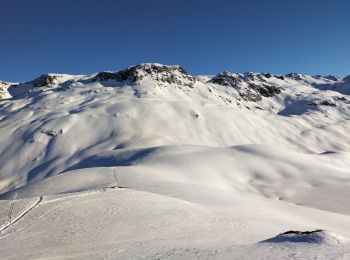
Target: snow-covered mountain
(151,162)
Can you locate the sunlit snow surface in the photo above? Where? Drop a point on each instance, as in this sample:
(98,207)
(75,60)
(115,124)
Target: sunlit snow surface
(93,169)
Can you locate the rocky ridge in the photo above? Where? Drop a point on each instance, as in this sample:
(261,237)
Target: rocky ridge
(158,72)
(250,87)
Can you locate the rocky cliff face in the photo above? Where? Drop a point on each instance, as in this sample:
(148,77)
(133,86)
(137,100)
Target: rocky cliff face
(157,72)
(246,85)
(45,80)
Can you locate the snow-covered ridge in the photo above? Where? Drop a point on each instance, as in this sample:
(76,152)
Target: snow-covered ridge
(137,106)
(165,164)
(250,86)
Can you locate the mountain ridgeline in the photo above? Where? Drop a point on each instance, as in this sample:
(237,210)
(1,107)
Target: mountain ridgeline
(248,86)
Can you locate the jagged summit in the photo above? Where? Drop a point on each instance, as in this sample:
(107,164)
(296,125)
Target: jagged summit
(246,85)
(226,78)
(45,80)
(163,73)
(295,76)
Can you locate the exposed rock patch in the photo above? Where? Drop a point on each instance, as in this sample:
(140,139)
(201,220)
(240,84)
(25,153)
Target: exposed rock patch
(329,77)
(248,90)
(45,80)
(329,103)
(226,79)
(269,75)
(51,132)
(294,75)
(279,77)
(342,99)
(161,73)
(266,90)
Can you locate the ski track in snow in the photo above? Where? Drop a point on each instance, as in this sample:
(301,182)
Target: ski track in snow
(13,221)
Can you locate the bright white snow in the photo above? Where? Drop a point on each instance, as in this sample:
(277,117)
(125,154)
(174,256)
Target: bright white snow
(153,163)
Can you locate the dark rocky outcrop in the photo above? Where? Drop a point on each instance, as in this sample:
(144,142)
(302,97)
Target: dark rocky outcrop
(329,77)
(106,75)
(265,90)
(44,80)
(248,90)
(342,99)
(301,232)
(250,94)
(294,75)
(158,72)
(269,75)
(226,79)
(329,103)
(279,77)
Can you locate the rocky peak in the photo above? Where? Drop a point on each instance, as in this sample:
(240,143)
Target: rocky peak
(45,80)
(346,78)
(329,77)
(279,77)
(158,72)
(248,87)
(294,75)
(269,75)
(226,79)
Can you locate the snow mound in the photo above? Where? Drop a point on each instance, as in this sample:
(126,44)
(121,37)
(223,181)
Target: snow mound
(311,237)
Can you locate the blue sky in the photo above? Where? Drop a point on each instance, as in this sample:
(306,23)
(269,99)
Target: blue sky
(205,37)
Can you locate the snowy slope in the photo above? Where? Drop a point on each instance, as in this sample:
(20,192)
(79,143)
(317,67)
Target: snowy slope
(169,165)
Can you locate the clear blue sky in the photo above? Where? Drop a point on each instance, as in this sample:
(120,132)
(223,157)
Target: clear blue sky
(205,37)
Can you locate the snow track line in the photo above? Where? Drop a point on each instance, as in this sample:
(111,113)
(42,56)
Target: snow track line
(9,214)
(115,177)
(116,185)
(21,215)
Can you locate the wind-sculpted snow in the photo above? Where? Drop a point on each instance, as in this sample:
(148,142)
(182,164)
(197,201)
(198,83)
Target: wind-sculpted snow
(169,165)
